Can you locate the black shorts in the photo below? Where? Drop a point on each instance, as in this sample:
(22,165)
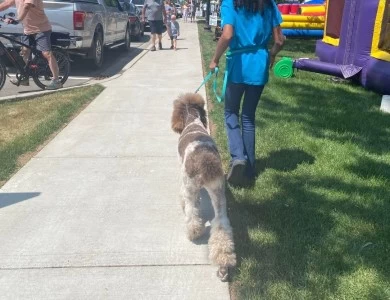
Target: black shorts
(42,40)
(156,27)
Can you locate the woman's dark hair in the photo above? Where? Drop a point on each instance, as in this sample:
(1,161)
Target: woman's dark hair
(252,5)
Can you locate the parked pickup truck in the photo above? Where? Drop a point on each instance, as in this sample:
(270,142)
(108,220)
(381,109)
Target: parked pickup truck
(92,25)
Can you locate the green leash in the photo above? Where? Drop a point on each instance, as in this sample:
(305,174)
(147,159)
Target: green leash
(208,77)
(229,54)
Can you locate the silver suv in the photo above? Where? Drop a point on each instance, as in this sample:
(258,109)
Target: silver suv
(92,25)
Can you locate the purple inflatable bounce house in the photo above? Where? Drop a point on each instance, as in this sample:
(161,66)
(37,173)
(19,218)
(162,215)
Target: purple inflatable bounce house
(356,44)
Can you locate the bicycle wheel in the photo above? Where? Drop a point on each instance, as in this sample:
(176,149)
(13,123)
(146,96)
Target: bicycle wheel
(3,73)
(40,70)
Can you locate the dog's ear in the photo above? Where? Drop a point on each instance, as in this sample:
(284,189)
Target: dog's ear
(200,103)
(203,117)
(177,121)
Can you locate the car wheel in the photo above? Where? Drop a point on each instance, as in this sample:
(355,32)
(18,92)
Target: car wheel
(97,51)
(127,45)
(139,33)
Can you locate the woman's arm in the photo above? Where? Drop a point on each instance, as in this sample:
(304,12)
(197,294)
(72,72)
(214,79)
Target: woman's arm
(222,45)
(279,39)
(6,4)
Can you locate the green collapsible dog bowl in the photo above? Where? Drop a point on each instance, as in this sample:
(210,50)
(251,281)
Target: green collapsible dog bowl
(284,68)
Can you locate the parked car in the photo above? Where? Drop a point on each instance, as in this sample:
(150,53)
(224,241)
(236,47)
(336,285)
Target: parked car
(137,27)
(140,4)
(92,25)
(179,11)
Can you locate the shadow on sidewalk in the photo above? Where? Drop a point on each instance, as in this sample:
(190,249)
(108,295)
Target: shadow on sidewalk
(207,214)
(7,199)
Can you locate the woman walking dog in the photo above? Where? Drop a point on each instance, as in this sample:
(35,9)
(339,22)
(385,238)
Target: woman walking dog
(247,28)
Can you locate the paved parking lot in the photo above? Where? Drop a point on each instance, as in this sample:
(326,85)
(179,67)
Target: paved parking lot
(82,71)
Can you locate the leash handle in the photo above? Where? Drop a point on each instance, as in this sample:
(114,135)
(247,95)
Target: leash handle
(208,77)
(229,54)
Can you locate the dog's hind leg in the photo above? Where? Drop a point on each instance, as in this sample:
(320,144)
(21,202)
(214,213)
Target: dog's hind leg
(221,244)
(191,205)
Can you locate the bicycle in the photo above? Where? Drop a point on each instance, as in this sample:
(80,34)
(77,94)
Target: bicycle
(36,65)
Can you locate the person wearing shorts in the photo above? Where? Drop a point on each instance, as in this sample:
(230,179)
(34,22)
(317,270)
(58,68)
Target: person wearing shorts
(36,26)
(192,11)
(154,10)
(170,10)
(185,12)
(174,31)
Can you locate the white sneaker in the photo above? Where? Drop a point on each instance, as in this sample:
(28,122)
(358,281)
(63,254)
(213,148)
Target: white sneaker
(54,85)
(24,82)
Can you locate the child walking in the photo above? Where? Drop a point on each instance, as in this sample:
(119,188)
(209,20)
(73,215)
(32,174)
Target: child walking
(185,12)
(174,31)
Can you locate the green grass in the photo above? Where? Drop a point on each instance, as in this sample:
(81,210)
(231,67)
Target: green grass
(28,123)
(316,224)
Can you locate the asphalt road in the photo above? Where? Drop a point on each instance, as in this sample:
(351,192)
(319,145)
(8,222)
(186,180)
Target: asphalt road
(82,71)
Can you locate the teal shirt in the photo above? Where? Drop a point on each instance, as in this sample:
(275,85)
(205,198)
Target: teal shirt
(252,31)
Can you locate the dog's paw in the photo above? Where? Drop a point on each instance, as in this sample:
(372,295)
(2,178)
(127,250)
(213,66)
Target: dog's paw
(221,248)
(223,273)
(195,230)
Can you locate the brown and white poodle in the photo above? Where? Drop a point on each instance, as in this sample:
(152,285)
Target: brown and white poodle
(201,167)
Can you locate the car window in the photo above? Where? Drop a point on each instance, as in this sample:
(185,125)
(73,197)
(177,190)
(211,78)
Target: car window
(113,3)
(125,5)
(74,1)
(109,3)
(129,7)
(117,4)
(138,2)
(132,9)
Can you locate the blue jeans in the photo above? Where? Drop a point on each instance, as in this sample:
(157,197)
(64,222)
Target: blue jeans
(242,142)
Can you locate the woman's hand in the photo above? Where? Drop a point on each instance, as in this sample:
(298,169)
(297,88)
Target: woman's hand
(213,65)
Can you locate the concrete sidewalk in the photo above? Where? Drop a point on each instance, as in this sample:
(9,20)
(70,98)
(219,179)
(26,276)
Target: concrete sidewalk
(95,214)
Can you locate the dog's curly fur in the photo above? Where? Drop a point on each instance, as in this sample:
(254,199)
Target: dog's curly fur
(202,168)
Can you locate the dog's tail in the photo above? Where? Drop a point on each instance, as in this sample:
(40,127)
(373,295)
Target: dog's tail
(186,105)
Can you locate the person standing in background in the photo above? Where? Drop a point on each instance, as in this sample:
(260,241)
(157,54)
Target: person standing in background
(174,31)
(192,11)
(185,12)
(170,10)
(154,10)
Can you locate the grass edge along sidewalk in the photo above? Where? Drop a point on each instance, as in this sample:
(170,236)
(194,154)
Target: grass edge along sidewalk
(28,123)
(316,223)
